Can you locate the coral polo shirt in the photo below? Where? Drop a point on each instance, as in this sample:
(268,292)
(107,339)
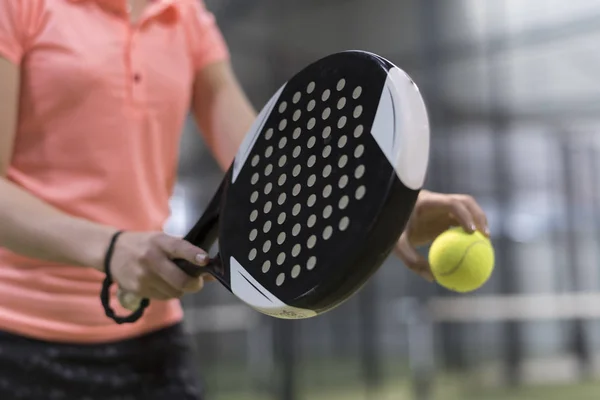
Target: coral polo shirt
(102,106)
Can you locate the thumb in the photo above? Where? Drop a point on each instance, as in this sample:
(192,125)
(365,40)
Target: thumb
(413,259)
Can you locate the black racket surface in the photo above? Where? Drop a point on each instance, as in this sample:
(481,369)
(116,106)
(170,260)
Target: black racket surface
(321,188)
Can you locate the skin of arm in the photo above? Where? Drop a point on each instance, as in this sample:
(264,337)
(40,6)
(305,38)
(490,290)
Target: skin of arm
(29,226)
(221,110)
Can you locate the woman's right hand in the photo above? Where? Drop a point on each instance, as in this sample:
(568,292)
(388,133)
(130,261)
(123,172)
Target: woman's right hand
(142,265)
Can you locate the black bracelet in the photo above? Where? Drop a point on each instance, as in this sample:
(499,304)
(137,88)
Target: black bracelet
(105,293)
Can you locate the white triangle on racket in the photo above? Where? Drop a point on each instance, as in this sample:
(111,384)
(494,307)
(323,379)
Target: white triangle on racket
(401,108)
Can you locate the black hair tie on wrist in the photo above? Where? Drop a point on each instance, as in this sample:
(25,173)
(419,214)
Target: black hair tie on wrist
(105,293)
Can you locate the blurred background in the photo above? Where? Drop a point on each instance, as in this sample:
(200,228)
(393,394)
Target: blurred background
(514,98)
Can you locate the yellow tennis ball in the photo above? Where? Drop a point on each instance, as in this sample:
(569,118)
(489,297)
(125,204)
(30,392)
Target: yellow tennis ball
(460,261)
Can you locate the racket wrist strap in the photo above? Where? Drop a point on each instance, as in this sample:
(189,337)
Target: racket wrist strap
(107,283)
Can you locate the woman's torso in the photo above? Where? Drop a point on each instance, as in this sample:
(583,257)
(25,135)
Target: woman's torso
(101,111)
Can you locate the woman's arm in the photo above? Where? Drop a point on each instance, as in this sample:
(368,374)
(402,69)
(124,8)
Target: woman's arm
(28,226)
(222,110)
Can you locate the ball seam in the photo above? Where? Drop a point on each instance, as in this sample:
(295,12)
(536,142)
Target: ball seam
(459,262)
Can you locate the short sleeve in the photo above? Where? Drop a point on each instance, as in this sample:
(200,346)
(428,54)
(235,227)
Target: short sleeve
(207,44)
(18,21)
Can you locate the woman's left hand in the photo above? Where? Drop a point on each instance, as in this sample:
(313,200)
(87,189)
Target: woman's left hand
(433,214)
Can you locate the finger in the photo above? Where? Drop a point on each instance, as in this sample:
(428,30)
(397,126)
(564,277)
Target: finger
(413,259)
(194,284)
(167,291)
(182,249)
(478,214)
(462,215)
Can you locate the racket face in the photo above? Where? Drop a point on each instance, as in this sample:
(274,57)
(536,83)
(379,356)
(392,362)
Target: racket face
(323,185)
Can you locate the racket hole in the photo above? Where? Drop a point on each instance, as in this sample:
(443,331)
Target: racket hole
(282,106)
(253,215)
(311,221)
(282,160)
(343,181)
(281,258)
(360,192)
(268,187)
(282,179)
(311,105)
(282,142)
(326,171)
(296,250)
(297,151)
(359,171)
(281,218)
(325,95)
(311,142)
(341,84)
(253,235)
(268,206)
(297,133)
(269,134)
(359,151)
(358,131)
(326,151)
(311,180)
(344,223)
(327,190)
(254,179)
(268,169)
(252,254)
(311,123)
(282,124)
(269,151)
(327,232)
(311,242)
(343,161)
(326,132)
(311,160)
(267,227)
(311,263)
(280,279)
(281,198)
(327,211)
(281,238)
(342,141)
(266,266)
(255,160)
(296,189)
(296,229)
(296,171)
(342,122)
(295,271)
(296,97)
(296,209)
(341,103)
(266,246)
(357,111)
(357,92)
(326,113)
(344,202)
(254,197)
(312,199)
(297,115)
(310,88)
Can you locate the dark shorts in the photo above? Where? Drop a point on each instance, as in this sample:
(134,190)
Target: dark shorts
(157,366)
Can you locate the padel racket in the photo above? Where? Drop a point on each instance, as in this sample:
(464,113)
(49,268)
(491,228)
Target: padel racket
(320,189)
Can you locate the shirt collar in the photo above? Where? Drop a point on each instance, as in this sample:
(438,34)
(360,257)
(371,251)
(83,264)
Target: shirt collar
(164,10)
